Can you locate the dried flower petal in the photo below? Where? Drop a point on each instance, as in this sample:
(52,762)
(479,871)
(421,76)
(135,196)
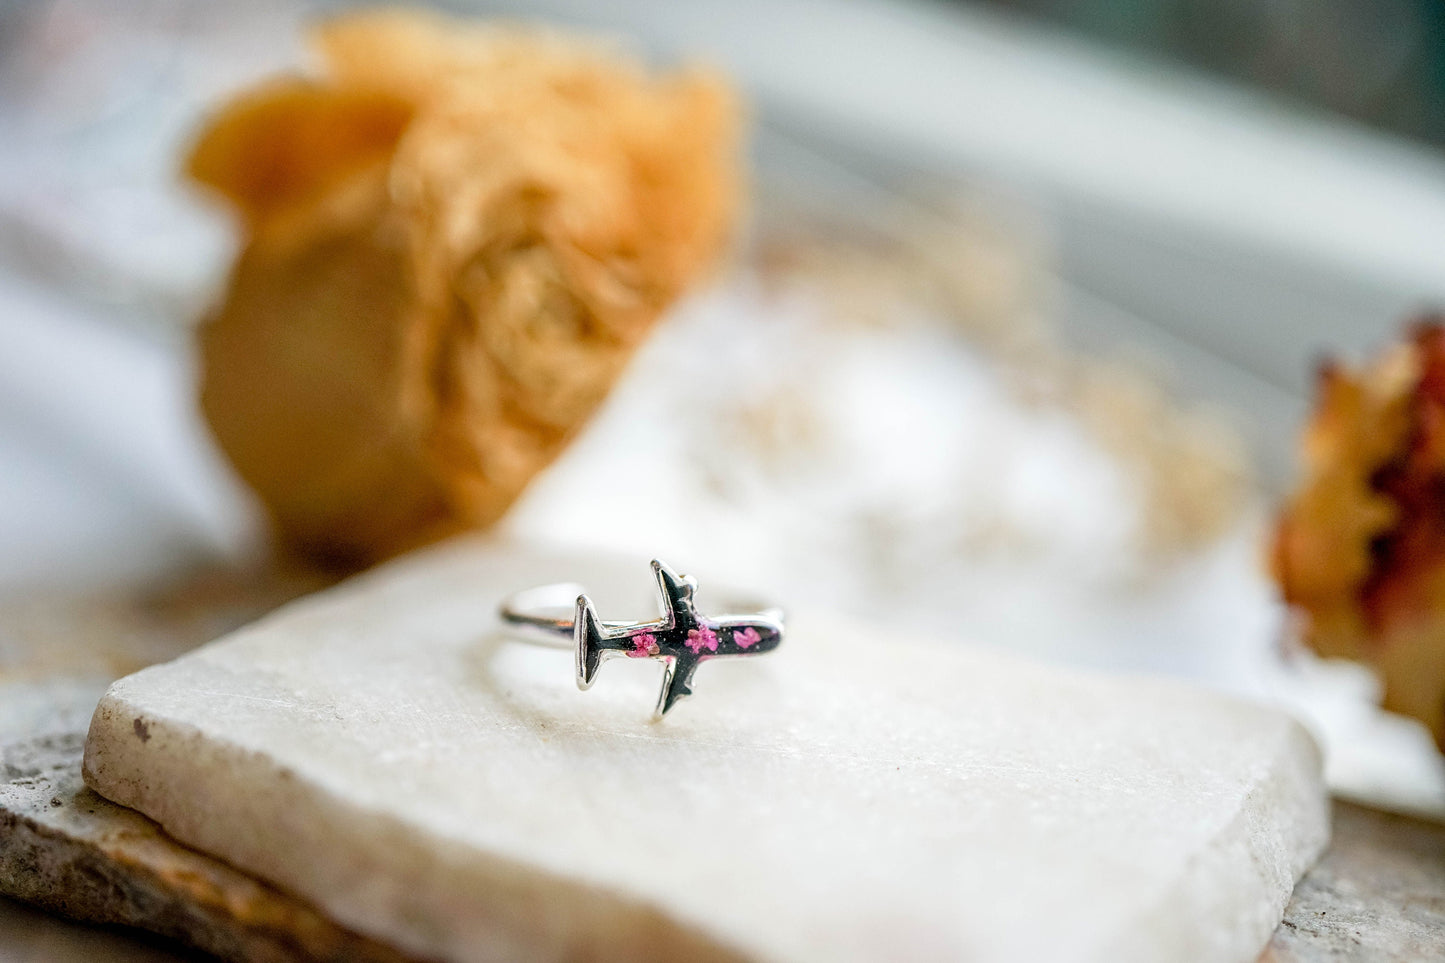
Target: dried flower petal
(457,236)
(1359,552)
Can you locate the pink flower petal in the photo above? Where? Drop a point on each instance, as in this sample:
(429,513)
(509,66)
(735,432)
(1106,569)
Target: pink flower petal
(702,638)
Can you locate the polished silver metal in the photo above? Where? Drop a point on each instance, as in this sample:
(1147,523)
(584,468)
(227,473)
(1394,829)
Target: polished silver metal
(563,616)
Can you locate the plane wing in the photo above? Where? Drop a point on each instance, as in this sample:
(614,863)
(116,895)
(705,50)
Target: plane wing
(676,683)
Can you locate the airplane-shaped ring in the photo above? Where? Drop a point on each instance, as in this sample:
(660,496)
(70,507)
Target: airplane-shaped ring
(681,639)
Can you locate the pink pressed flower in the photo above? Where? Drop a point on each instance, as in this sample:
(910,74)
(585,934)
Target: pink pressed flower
(643,645)
(747,638)
(701,638)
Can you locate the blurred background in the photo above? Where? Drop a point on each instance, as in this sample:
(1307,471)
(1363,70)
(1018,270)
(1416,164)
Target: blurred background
(1015,352)
(1379,63)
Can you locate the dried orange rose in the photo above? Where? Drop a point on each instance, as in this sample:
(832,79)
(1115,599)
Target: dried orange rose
(456,237)
(1359,551)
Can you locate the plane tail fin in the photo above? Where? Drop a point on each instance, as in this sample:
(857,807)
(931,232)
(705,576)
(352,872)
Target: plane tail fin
(588,634)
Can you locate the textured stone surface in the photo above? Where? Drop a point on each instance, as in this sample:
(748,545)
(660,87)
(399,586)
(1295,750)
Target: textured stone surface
(28,935)
(378,750)
(66,849)
(35,715)
(1378,894)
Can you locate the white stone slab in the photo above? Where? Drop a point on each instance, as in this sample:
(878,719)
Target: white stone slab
(65,849)
(854,796)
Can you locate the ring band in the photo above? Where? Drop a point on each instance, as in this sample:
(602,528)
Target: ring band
(562,615)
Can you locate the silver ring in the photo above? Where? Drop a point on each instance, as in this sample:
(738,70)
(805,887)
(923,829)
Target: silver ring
(563,616)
